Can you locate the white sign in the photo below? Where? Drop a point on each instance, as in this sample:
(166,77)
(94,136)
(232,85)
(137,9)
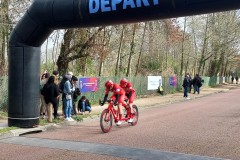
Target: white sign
(154,82)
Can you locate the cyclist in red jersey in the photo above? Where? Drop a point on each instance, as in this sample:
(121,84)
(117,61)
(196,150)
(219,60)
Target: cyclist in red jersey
(130,94)
(118,96)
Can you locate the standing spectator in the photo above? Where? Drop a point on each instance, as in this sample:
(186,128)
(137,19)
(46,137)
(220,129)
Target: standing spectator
(65,77)
(61,87)
(67,99)
(51,95)
(56,81)
(186,83)
(190,83)
(236,79)
(232,79)
(56,74)
(84,105)
(197,83)
(43,105)
(75,94)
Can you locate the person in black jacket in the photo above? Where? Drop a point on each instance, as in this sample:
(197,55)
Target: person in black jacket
(84,105)
(186,84)
(236,79)
(51,94)
(197,83)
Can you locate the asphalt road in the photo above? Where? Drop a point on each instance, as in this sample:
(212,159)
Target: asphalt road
(202,128)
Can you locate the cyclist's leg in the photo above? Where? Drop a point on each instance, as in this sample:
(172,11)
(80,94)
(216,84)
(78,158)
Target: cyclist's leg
(131,99)
(121,103)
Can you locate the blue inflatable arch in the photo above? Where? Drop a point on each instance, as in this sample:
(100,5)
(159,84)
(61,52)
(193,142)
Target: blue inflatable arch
(44,16)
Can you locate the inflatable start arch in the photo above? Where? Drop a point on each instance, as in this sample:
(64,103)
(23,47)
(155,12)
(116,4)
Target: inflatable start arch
(44,16)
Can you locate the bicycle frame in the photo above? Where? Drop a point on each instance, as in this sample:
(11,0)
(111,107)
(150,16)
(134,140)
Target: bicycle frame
(115,112)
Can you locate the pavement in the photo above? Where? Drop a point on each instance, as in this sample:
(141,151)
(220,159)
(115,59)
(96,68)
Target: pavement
(142,103)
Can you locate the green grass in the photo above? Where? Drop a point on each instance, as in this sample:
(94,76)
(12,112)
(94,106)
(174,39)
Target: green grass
(78,118)
(3,114)
(7,129)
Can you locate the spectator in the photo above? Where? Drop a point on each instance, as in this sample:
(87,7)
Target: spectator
(56,81)
(236,79)
(197,83)
(84,105)
(190,84)
(232,79)
(56,74)
(61,87)
(67,99)
(51,95)
(186,83)
(43,105)
(75,95)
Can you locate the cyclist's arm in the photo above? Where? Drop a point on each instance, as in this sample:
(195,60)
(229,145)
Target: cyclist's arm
(104,100)
(129,94)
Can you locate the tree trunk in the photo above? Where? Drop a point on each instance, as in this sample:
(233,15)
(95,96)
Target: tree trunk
(131,51)
(62,61)
(119,51)
(5,36)
(182,48)
(141,48)
(201,61)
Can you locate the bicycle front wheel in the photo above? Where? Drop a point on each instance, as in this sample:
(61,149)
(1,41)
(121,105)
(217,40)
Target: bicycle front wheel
(106,120)
(135,115)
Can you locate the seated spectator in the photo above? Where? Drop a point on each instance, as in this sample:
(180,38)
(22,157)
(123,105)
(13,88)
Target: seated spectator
(84,105)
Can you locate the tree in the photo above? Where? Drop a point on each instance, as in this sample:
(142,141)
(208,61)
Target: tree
(71,51)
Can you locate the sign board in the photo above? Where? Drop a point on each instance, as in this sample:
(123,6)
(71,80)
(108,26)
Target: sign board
(173,81)
(88,84)
(154,82)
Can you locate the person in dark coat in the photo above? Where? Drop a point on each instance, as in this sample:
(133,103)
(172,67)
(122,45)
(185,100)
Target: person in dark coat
(197,83)
(84,105)
(51,94)
(186,84)
(232,79)
(236,79)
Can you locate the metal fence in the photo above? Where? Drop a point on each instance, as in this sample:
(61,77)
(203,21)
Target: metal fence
(139,83)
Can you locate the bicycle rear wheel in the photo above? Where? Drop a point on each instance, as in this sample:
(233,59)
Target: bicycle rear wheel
(106,120)
(135,115)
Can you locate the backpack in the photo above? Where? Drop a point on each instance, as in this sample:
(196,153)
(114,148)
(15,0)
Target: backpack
(61,85)
(199,82)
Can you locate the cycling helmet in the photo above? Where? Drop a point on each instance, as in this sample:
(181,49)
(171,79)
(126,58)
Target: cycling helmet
(109,84)
(123,82)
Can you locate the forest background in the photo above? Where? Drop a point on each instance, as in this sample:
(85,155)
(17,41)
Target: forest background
(206,44)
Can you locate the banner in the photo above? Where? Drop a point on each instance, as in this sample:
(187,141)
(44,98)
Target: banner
(88,84)
(173,81)
(154,82)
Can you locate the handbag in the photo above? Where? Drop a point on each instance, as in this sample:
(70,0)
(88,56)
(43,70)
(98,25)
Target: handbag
(68,96)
